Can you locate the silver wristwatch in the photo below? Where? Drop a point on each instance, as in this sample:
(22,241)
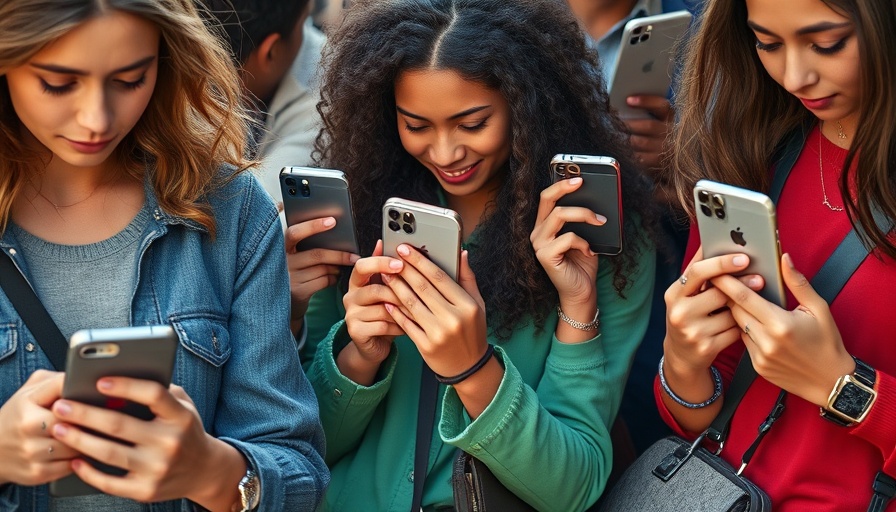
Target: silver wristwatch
(250,491)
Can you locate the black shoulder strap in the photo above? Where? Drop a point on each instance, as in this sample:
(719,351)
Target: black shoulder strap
(32,311)
(426,417)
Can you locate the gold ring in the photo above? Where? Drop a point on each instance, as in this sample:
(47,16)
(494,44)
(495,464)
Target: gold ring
(683,280)
(747,330)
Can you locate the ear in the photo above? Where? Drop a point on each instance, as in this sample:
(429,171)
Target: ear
(266,53)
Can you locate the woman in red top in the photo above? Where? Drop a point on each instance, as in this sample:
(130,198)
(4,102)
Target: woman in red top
(758,71)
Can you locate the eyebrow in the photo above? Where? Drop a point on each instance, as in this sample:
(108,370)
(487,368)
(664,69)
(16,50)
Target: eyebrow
(455,116)
(71,71)
(823,26)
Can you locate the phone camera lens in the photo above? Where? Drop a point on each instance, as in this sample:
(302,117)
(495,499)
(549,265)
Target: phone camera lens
(706,210)
(394,225)
(718,200)
(292,191)
(408,228)
(644,37)
(393,214)
(290,182)
(720,213)
(573,170)
(306,188)
(408,217)
(703,196)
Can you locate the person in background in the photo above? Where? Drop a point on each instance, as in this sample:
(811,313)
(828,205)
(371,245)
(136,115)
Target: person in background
(815,76)
(463,103)
(122,202)
(265,37)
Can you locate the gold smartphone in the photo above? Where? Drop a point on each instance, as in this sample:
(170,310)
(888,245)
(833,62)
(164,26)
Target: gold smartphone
(736,220)
(432,230)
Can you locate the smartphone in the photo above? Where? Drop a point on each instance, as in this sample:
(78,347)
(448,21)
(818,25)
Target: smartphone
(601,192)
(736,220)
(432,230)
(144,352)
(312,193)
(644,62)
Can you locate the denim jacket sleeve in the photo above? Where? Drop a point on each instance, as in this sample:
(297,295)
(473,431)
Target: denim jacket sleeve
(267,409)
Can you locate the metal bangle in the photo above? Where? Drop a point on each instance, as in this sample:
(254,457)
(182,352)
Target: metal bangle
(717,391)
(590,326)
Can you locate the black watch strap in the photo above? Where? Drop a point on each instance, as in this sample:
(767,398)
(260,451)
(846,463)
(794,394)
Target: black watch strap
(863,373)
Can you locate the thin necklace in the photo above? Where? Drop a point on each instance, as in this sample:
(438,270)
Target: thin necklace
(824,192)
(58,206)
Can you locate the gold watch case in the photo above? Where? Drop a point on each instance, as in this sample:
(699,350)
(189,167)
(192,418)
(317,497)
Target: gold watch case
(843,383)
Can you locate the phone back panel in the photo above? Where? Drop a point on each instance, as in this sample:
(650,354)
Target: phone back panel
(311,193)
(736,220)
(433,230)
(600,192)
(644,64)
(143,352)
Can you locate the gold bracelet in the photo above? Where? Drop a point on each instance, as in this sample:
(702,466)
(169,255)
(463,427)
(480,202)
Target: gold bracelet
(590,326)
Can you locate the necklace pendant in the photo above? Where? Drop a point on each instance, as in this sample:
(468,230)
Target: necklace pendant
(832,207)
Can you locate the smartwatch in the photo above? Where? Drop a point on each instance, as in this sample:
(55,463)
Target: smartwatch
(852,396)
(250,491)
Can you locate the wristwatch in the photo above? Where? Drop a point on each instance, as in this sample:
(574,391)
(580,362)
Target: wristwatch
(250,491)
(852,396)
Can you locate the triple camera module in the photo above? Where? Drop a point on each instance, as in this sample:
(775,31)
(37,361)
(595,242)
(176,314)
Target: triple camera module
(641,34)
(402,221)
(712,205)
(565,170)
(305,187)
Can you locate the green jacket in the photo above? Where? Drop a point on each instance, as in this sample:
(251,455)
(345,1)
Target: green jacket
(545,435)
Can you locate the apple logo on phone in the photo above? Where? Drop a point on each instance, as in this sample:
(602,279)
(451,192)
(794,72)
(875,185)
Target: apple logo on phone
(738,237)
(647,68)
(423,250)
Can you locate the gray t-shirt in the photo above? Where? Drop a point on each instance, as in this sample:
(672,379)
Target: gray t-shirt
(86,286)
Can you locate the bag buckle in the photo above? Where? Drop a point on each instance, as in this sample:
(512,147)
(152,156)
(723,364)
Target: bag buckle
(674,461)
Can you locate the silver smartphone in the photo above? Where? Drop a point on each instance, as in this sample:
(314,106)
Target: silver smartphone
(312,193)
(736,220)
(644,63)
(141,352)
(601,192)
(432,230)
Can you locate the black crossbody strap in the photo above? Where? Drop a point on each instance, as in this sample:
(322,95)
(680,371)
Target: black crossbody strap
(426,417)
(33,313)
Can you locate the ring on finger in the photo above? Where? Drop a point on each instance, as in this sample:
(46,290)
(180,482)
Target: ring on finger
(683,279)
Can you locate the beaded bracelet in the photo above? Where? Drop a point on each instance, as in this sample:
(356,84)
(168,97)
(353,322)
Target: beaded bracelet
(582,326)
(473,369)
(717,392)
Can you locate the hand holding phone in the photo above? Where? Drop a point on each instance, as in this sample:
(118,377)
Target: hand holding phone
(601,192)
(434,231)
(736,220)
(145,352)
(311,193)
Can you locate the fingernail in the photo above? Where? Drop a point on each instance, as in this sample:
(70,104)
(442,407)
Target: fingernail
(62,408)
(600,218)
(575,181)
(755,282)
(77,463)
(633,100)
(396,264)
(354,258)
(739,260)
(404,250)
(329,222)
(104,384)
(60,430)
(389,307)
(789,261)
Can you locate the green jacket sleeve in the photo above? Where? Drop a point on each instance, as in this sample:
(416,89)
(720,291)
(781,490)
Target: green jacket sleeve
(549,441)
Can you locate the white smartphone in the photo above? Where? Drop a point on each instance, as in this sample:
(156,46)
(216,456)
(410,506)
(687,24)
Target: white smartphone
(601,192)
(142,352)
(736,220)
(312,193)
(644,63)
(432,230)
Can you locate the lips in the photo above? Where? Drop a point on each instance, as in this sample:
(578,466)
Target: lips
(459,175)
(89,147)
(817,103)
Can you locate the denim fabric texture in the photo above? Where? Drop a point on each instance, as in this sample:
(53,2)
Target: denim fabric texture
(228,301)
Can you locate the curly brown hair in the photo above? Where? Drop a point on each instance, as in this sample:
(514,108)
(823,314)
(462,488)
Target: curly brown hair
(535,54)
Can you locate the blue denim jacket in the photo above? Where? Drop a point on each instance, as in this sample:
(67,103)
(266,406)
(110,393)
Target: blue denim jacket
(228,300)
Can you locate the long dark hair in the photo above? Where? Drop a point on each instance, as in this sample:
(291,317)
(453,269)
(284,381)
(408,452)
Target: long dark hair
(534,53)
(733,114)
